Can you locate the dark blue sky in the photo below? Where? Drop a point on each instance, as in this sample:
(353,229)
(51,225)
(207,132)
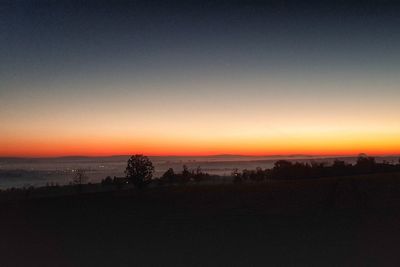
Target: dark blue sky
(63,39)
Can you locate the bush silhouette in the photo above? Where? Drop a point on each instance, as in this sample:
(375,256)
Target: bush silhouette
(169,176)
(107,181)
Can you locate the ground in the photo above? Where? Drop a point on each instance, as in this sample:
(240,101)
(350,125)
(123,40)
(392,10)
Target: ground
(321,222)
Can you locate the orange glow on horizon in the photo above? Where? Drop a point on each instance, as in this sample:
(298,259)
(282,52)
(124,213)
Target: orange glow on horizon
(198,147)
(207,117)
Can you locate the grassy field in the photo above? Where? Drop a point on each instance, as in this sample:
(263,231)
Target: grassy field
(330,222)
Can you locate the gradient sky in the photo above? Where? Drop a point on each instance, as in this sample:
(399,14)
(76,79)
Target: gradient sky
(196,78)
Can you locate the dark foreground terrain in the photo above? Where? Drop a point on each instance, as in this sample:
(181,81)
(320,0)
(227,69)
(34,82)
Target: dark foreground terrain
(348,221)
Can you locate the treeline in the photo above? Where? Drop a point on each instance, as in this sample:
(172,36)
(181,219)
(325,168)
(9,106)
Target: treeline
(139,172)
(185,176)
(169,177)
(284,169)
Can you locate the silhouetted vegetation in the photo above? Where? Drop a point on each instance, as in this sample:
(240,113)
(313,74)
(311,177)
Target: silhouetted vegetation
(284,169)
(107,181)
(169,176)
(80,177)
(139,173)
(197,175)
(139,170)
(237,177)
(185,175)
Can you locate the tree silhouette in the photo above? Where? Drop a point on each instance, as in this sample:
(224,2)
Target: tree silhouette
(365,164)
(283,169)
(186,174)
(258,175)
(139,170)
(282,164)
(237,177)
(199,175)
(169,176)
(80,177)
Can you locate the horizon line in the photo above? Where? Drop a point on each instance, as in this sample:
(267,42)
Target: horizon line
(200,156)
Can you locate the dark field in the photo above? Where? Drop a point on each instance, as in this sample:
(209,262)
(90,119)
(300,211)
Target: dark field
(347,221)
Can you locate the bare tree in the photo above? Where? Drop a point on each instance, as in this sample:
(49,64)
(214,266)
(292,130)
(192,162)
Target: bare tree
(80,177)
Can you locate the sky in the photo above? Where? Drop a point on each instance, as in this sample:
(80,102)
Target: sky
(199,78)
